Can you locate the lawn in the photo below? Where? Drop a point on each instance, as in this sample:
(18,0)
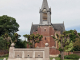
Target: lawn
(3,57)
(57,58)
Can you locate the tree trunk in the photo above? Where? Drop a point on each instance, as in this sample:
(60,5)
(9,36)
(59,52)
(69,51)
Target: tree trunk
(33,44)
(62,55)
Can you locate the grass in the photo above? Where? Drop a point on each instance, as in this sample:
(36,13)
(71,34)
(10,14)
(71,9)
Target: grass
(57,58)
(3,57)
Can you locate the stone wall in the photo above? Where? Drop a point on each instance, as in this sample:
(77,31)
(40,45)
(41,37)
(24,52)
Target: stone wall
(29,53)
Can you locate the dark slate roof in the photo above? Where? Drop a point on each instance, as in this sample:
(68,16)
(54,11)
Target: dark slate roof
(34,28)
(59,27)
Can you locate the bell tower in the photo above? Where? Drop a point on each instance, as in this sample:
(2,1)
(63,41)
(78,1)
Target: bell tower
(45,14)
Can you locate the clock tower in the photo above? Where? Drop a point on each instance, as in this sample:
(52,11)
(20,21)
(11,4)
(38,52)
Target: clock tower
(47,29)
(45,14)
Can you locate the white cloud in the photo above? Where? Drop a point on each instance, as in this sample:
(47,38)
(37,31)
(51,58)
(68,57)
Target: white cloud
(27,11)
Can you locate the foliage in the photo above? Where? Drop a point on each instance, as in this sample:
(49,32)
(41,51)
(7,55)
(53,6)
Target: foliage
(76,45)
(72,36)
(2,44)
(59,55)
(8,25)
(20,44)
(6,55)
(1,58)
(15,37)
(77,42)
(33,38)
(71,56)
(58,58)
(64,43)
(60,49)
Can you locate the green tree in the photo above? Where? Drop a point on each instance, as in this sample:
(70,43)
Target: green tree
(77,34)
(77,41)
(76,45)
(20,44)
(2,43)
(74,38)
(32,39)
(15,37)
(73,35)
(8,25)
(8,40)
(64,43)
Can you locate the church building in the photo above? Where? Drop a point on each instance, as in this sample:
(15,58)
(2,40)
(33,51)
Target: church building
(47,29)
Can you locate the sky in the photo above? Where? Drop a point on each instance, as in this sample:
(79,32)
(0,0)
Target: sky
(27,11)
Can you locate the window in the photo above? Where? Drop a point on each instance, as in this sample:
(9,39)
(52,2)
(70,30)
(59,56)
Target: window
(44,16)
(45,29)
(45,38)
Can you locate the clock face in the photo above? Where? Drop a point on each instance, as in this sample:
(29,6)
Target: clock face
(44,10)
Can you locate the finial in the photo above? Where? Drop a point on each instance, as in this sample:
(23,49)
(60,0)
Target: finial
(46,44)
(32,23)
(12,45)
(63,22)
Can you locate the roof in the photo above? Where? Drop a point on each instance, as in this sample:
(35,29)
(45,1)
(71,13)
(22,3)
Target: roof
(45,5)
(34,28)
(59,27)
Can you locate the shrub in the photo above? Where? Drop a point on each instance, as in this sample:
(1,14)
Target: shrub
(71,56)
(59,55)
(6,55)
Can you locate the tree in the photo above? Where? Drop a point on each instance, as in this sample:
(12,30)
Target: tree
(8,25)
(77,41)
(77,34)
(32,39)
(15,37)
(74,38)
(64,43)
(73,35)
(20,44)
(2,43)
(76,45)
(8,40)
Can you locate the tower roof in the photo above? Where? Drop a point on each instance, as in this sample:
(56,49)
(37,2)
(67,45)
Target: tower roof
(45,5)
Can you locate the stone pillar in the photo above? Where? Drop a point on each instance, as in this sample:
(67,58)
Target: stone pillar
(11,51)
(46,50)
(53,59)
(4,59)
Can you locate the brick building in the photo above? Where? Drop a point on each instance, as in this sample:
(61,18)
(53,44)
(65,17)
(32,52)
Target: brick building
(47,29)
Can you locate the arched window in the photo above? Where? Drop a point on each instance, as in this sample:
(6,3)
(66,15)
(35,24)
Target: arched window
(44,16)
(45,38)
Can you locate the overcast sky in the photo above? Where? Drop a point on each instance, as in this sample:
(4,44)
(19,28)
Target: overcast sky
(27,11)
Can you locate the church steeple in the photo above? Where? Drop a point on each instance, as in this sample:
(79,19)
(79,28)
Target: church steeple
(45,14)
(45,5)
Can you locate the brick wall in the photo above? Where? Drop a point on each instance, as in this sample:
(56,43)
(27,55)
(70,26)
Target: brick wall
(76,52)
(47,31)
(3,52)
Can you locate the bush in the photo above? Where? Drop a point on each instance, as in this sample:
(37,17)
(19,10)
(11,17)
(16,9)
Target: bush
(71,56)
(6,55)
(59,55)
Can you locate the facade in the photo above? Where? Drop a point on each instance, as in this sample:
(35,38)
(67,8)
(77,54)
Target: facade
(47,29)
